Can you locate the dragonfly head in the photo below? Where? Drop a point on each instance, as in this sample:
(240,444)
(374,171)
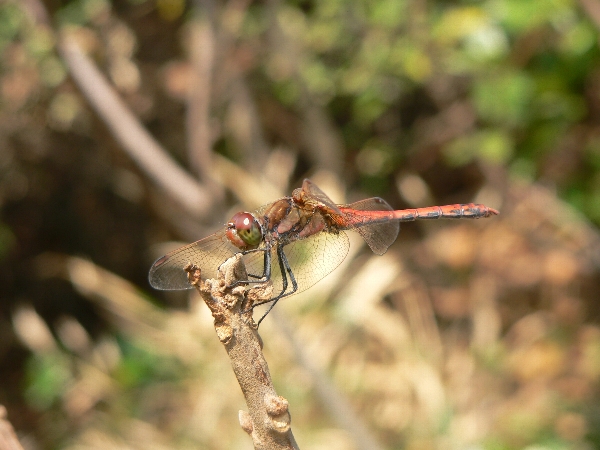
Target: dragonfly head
(244,231)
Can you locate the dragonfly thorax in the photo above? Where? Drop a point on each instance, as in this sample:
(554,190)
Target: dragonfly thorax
(244,231)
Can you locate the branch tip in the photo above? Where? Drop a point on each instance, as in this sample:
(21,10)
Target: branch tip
(268,419)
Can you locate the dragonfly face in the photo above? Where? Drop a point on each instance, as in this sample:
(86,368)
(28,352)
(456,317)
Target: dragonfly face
(244,231)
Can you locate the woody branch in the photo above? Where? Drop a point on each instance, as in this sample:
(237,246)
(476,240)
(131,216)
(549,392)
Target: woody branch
(267,420)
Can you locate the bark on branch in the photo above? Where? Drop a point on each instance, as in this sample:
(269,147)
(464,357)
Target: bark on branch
(268,419)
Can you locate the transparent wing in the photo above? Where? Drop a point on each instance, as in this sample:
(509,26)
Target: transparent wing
(379,235)
(209,253)
(310,188)
(311,259)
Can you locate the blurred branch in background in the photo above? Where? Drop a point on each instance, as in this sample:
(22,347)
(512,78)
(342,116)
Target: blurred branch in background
(202,42)
(592,8)
(126,128)
(320,136)
(8,437)
(131,135)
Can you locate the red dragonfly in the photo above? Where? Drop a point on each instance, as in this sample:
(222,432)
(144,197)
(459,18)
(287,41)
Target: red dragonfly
(303,233)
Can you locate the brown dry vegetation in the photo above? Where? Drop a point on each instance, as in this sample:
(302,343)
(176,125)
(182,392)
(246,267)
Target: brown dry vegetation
(463,335)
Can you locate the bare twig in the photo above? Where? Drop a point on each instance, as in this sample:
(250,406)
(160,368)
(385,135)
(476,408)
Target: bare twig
(245,124)
(268,419)
(202,46)
(134,138)
(125,127)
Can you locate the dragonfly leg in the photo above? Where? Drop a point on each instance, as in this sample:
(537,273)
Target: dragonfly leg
(284,281)
(283,261)
(266,276)
(284,267)
(286,271)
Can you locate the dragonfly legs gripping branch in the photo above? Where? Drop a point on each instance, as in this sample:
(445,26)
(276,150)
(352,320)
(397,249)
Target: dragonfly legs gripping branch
(285,270)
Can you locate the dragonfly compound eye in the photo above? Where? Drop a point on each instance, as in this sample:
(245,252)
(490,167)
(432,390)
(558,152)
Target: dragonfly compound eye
(244,231)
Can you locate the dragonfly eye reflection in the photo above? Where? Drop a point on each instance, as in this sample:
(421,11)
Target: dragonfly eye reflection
(244,231)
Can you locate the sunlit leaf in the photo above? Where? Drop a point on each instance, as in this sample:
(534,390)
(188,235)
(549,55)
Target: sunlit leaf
(505,97)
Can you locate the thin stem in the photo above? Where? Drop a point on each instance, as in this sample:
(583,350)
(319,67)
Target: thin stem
(133,137)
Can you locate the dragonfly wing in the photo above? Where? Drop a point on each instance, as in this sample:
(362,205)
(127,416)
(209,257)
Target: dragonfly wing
(310,188)
(378,235)
(310,259)
(209,253)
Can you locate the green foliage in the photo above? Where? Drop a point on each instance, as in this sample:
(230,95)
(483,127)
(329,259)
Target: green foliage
(11,22)
(49,378)
(490,146)
(504,99)
(81,12)
(525,66)
(139,366)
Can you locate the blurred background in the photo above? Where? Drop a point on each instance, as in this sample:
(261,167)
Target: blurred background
(129,127)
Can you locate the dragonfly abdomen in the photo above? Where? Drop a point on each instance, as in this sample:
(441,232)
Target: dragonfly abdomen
(456,211)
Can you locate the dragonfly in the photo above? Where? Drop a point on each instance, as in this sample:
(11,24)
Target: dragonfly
(296,241)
